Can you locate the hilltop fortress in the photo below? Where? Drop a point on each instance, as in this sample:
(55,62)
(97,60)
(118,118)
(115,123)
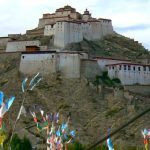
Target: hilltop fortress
(67,25)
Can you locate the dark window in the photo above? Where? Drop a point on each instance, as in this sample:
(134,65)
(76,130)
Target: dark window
(149,68)
(113,67)
(134,68)
(129,67)
(139,68)
(53,56)
(119,67)
(23,57)
(125,67)
(144,68)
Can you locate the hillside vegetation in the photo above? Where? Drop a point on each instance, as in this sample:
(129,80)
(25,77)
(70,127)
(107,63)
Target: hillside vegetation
(112,46)
(92,112)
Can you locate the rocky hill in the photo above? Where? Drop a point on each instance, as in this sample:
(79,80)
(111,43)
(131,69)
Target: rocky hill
(115,45)
(92,112)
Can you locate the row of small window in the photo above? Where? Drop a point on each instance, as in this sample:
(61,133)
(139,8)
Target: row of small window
(106,21)
(59,23)
(53,56)
(85,23)
(50,29)
(128,67)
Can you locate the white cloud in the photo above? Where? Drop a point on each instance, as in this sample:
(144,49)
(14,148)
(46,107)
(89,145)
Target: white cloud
(140,35)
(129,19)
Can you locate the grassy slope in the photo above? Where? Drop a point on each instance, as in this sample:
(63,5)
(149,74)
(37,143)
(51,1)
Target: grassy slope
(91,115)
(113,46)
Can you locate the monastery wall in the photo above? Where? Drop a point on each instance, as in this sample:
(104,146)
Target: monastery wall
(75,15)
(96,32)
(85,17)
(69,65)
(70,62)
(106,26)
(69,26)
(15,46)
(45,21)
(49,30)
(86,31)
(67,32)
(130,74)
(102,62)
(90,68)
(60,31)
(44,63)
(48,15)
(62,14)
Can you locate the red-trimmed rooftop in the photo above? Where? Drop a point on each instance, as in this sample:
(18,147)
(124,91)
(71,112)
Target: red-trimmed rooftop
(110,58)
(135,64)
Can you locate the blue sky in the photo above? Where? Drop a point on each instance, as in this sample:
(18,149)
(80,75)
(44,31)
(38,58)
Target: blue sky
(129,17)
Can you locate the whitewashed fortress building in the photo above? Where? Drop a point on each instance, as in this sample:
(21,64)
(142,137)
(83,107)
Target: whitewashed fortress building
(69,26)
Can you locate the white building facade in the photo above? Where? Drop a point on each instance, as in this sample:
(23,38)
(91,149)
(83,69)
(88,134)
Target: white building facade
(69,26)
(44,62)
(15,46)
(103,61)
(47,62)
(66,32)
(130,73)
(70,63)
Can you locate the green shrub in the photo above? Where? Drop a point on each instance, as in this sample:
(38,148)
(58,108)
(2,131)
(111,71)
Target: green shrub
(113,112)
(26,143)
(105,80)
(20,144)
(76,146)
(2,83)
